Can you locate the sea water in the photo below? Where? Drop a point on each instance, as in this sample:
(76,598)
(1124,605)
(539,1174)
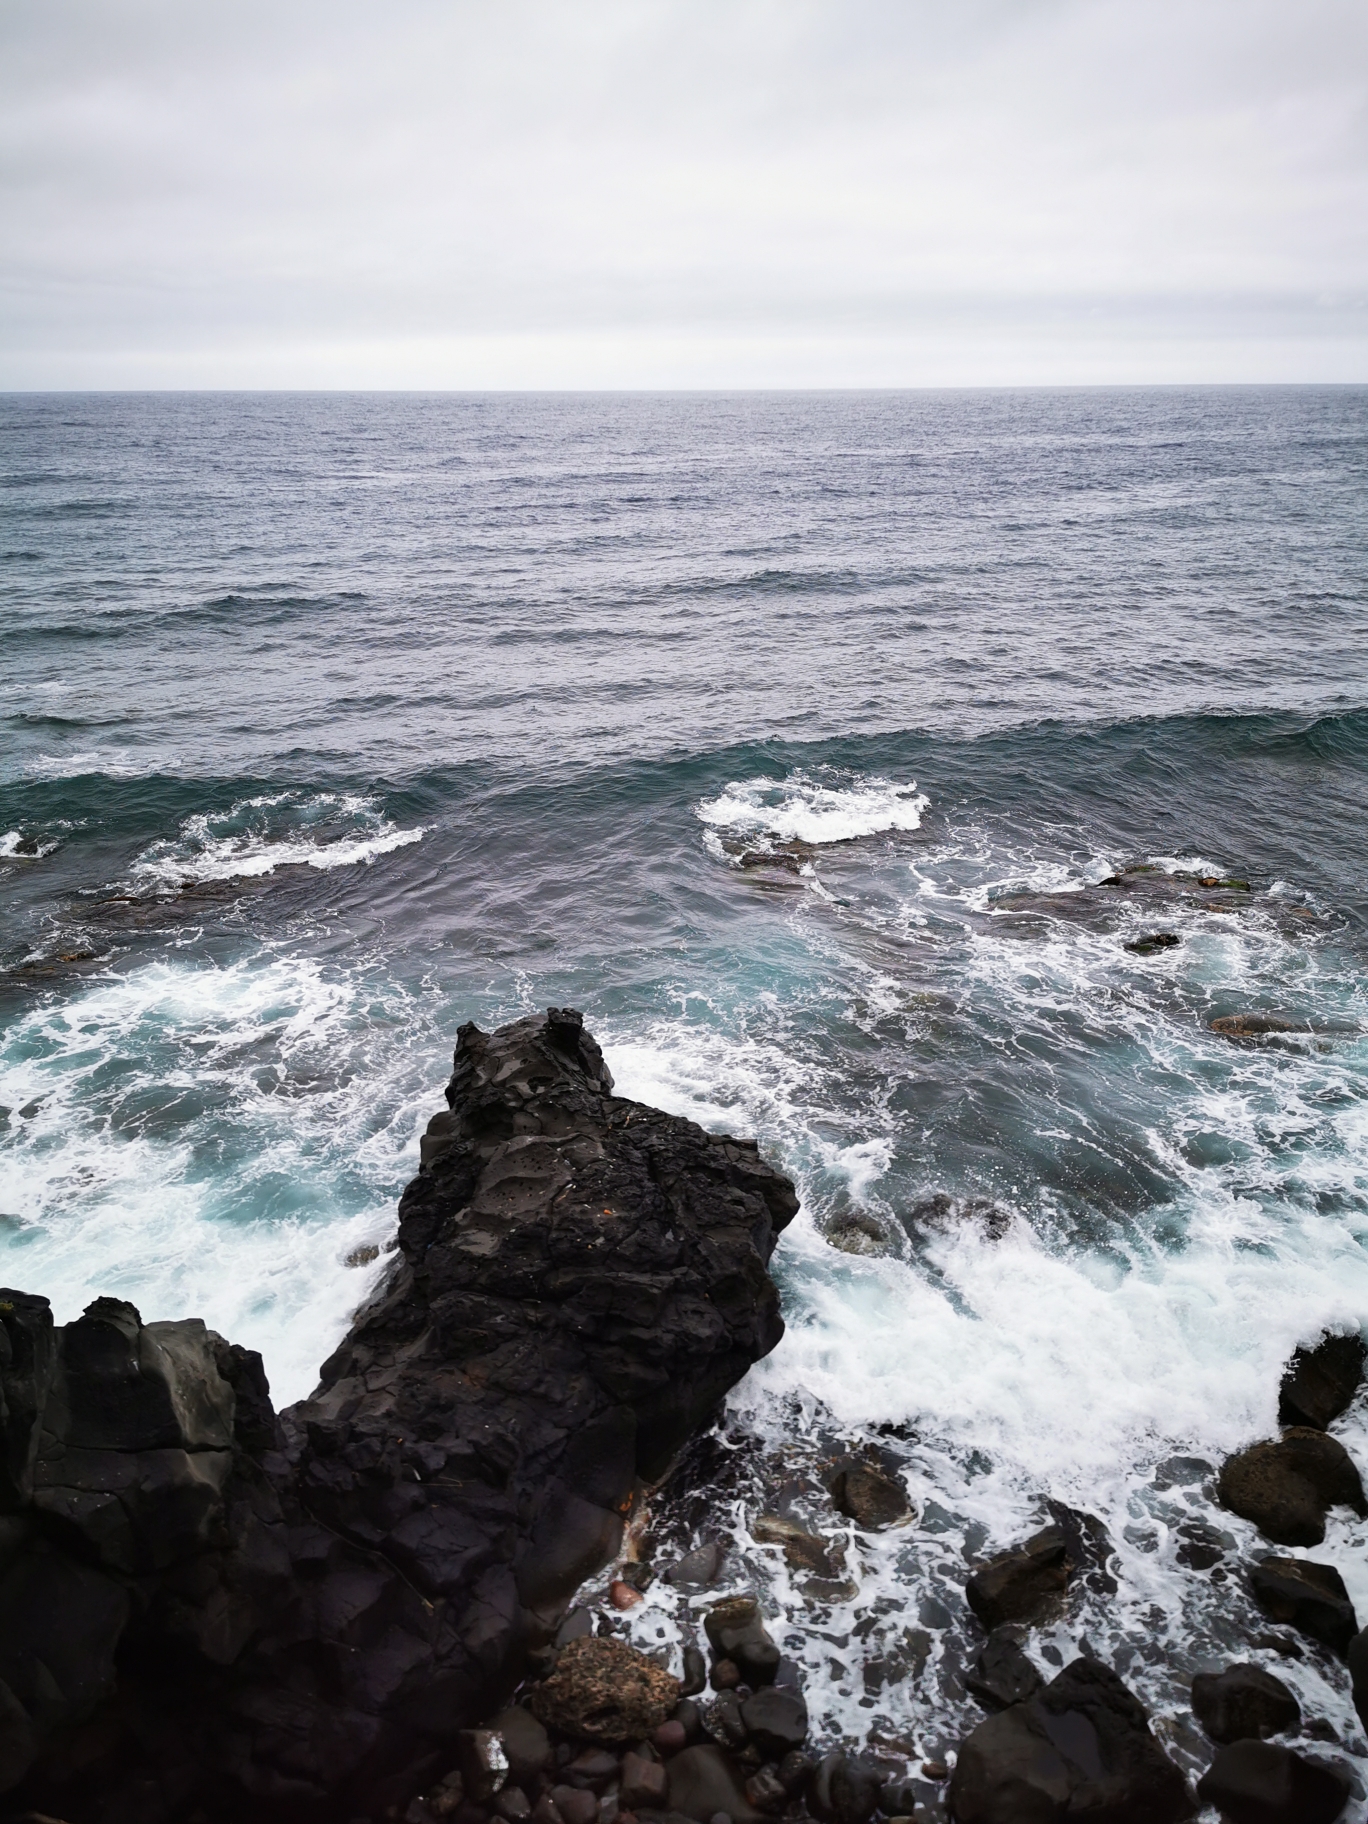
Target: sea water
(749,725)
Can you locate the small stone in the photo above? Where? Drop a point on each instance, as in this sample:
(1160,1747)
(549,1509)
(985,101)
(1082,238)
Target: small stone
(1242,1702)
(545,1811)
(695,1673)
(1262,1783)
(483,1762)
(1154,941)
(703,1782)
(794,1771)
(1023,1583)
(935,1770)
(803,1551)
(670,1737)
(526,1744)
(736,1631)
(594,1767)
(723,1722)
(513,1805)
(765,1790)
(845,1789)
(776,1720)
(574,1805)
(726,1675)
(698,1568)
(1310,1597)
(870,1497)
(644,1783)
(622,1595)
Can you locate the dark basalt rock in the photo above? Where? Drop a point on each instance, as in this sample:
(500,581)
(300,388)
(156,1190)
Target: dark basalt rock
(1252,1025)
(1081,1748)
(1310,1597)
(297,1618)
(1243,1702)
(1002,1674)
(1320,1383)
(1023,1583)
(1261,1783)
(869,1496)
(1357,1659)
(1153,942)
(706,1780)
(845,1788)
(736,1631)
(1284,1487)
(776,1720)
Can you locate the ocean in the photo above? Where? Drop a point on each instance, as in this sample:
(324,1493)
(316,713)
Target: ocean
(790,737)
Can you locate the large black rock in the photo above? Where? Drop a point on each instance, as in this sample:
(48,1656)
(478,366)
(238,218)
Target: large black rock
(1081,1747)
(202,1605)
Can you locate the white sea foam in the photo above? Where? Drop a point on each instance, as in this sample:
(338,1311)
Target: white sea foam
(213,1142)
(801,808)
(285,829)
(9,847)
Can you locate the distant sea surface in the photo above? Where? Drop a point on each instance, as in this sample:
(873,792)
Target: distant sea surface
(788,737)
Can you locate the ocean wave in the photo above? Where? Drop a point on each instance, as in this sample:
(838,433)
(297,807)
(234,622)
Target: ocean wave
(22,845)
(804,808)
(257,835)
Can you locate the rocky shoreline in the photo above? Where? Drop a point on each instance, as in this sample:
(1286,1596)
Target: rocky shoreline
(356,1610)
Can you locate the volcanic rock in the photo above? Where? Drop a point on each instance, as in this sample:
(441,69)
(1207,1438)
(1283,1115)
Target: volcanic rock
(803,1551)
(1002,1674)
(845,1788)
(602,1690)
(1081,1748)
(296,1619)
(1241,1702)
(704,1781)
(1320,1383)
(776,1720)
(1285,1486)
(737,1632)
(1021,1584)
(869,1496)
(1261,1783)
(1310,1597)
(1252,1025)
(1153,942)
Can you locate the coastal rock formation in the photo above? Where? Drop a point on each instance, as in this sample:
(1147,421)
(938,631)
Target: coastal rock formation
(1320,1382)
(300,1616)
(1243,1702)
(1080,1747)
(1261,1783)
(1306,1596)
(1024,1583)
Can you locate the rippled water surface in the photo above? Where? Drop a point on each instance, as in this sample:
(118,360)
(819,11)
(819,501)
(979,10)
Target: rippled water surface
(791,738)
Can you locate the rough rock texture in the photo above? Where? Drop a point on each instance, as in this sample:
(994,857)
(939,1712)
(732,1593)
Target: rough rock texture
(296,1618)
(605,1691)
(1320,1382)
(1081,1748)
(1243,1702)
(1260,1783)
(1285,1486)
(869,1496)
(1311,1597)
(1021,1584)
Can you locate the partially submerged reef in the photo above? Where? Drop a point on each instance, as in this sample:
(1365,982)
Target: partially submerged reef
(412,1596)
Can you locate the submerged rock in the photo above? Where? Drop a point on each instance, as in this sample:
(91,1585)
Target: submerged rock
(1309,1597)
(1253,1025)
(1153,942)
(736,1631)
(323,1604)
(1021,1584)
(1081,1748)
(1321,1382)
(869,1496)
(1261,1783)
(1002,1674)
(1285,1486)
(1243,1701)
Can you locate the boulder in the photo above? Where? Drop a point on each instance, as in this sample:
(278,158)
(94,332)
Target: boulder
(323,1602)
(698,1568)
(1002,1674)
(1309,1597)
(704,1781)
(1252,1025)
(1261,1783)
(1081,1747)
(1021,1584)
(737,1632)
(1320,1382)
(776,1720)
(803,1551)
(1243,1701)
(1285,1486)
(869,1496)
(526,1744)
(1153,942)
(602,1690)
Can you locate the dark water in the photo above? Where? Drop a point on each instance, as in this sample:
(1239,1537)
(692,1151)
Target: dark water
(332,721)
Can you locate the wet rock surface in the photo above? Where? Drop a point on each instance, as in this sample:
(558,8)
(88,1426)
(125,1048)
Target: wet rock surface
(1081,1747)
(1262,1783)
(298,1617)
(1285,1487)
(1022,1584)
(1243,1701)
(1309,1597)
(1321,1382)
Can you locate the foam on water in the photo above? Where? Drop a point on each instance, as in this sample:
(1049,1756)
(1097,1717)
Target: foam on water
(283,829)
(213,1141)
(811,809)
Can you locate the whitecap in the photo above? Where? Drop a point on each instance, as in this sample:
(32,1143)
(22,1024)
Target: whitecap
(256,836)
(805,809)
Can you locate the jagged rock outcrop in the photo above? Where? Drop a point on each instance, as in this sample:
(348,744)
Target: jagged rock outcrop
(204,1606)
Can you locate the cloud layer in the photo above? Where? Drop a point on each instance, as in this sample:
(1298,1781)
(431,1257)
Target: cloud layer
(682,192)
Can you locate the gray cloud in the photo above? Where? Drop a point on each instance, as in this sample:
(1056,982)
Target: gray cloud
(642,192)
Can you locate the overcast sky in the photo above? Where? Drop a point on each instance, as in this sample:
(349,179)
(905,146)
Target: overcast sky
(681,192)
